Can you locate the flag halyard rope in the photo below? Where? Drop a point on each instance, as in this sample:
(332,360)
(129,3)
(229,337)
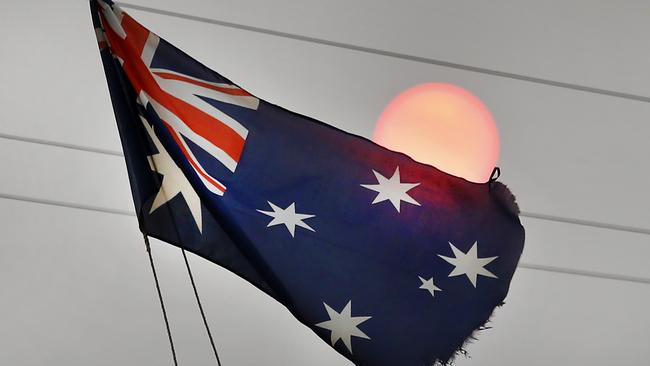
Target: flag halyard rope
(160,298)
(198,302)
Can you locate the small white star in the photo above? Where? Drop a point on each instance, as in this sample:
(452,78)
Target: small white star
(343,325)
(288,217)
(392,189)
(469,263)
(174,181)
(429,286)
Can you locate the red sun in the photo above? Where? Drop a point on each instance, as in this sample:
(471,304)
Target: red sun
(442,125)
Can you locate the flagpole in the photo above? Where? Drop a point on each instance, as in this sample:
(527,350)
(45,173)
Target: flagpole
(160,298)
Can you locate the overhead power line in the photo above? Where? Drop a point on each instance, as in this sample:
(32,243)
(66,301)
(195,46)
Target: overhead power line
(521,264)
(392,54)
(532,215)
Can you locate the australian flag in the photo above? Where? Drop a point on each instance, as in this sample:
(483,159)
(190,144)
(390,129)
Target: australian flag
(390,261)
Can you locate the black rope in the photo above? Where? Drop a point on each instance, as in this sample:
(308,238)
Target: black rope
(198,302)
(162,304)
(496,173)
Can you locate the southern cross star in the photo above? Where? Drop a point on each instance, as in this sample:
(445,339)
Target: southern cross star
(469,264)
(392,189)
(173,182)
(287,217)
(343,325)
(429,286)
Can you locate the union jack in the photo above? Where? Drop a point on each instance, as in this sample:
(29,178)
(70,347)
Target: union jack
(177,98)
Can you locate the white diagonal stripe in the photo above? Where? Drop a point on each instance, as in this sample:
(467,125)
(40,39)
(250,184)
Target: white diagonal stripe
(246,101)
(178,125)
(149,49)
(188,93)
(113,20)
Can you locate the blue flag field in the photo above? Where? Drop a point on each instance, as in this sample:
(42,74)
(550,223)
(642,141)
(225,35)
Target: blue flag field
(390,261)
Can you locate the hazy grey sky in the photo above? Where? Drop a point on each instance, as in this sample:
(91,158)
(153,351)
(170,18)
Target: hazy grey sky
(75,284)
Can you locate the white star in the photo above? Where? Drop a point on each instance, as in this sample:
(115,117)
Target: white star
(469,263)
(343,325)
(173,182)
(392,189)
(429,286)
(288,217)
